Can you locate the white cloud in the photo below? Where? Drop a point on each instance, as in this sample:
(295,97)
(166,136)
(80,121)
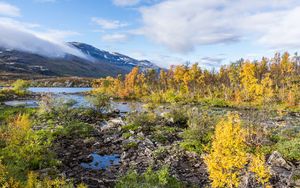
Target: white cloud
(108,24)
(114,37)
(9,10)
(22,36)
(125,2)
(183,25)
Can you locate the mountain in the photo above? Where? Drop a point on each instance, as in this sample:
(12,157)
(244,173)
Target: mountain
(112,57)
(98,64)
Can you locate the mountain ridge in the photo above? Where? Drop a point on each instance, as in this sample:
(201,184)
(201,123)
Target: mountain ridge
(99,63)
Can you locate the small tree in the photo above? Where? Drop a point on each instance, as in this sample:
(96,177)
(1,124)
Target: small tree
(228,154)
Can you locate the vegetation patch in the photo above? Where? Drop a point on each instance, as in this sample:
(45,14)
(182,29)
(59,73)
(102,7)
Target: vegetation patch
(160,179)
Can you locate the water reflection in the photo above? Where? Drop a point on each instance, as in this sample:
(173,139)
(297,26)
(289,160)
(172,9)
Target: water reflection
(102,162)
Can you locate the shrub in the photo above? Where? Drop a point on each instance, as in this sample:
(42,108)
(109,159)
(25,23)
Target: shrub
(24,149)
(177,116)
(100,101)
(159,179)
(228,156)
(34,182)
(57,106)
(7,112)
(198,135)
(145,121)
(20,87)
(74,128)
(289,149)
(260,169)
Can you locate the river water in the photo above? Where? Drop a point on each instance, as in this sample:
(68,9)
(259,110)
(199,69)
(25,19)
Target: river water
(74,94)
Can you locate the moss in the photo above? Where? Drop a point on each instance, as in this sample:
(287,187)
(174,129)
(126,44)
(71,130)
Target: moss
(130,145)
(132,127)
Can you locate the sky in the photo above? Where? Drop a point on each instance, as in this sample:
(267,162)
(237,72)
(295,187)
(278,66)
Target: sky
(166,32)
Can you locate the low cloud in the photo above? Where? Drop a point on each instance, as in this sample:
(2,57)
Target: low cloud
(22,36)
(183,25)
(9,10)
(108,24)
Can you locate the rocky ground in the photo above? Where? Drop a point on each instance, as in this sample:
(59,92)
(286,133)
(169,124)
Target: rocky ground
(139,150)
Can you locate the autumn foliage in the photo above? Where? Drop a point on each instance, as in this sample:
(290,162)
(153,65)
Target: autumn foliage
(228,155)
(229,158)
(275,80)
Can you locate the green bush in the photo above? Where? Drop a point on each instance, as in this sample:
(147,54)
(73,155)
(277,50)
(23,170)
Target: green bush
(23,150)
(100,101)
(177,116)
(290,149)
(74,128)
(198,135)
(149,179)
(144,121)
(7,112)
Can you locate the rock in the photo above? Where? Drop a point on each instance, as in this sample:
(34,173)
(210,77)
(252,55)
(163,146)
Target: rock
(295,180)
(97,144)
(141,134)
(280,170)
(248,180)
(87,159)
(116,111)
(276,160)
(117,121)
(111,124)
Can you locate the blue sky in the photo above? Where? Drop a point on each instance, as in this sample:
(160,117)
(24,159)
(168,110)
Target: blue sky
(164,31)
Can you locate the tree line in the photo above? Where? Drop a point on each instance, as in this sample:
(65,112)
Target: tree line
(274,80)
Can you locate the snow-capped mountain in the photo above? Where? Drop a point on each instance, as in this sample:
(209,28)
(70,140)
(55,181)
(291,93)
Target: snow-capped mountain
(112,57)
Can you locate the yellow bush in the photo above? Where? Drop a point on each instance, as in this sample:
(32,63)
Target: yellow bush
(228,155)
(12,183)
(18,129)
(257,166)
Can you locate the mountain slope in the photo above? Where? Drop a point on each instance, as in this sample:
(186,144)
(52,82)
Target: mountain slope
(113,58)
(100,63)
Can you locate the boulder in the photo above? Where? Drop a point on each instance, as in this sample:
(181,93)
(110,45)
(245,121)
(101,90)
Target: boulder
(281,170)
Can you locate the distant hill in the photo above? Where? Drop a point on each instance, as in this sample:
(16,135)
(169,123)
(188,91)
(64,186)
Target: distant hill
(98,64)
